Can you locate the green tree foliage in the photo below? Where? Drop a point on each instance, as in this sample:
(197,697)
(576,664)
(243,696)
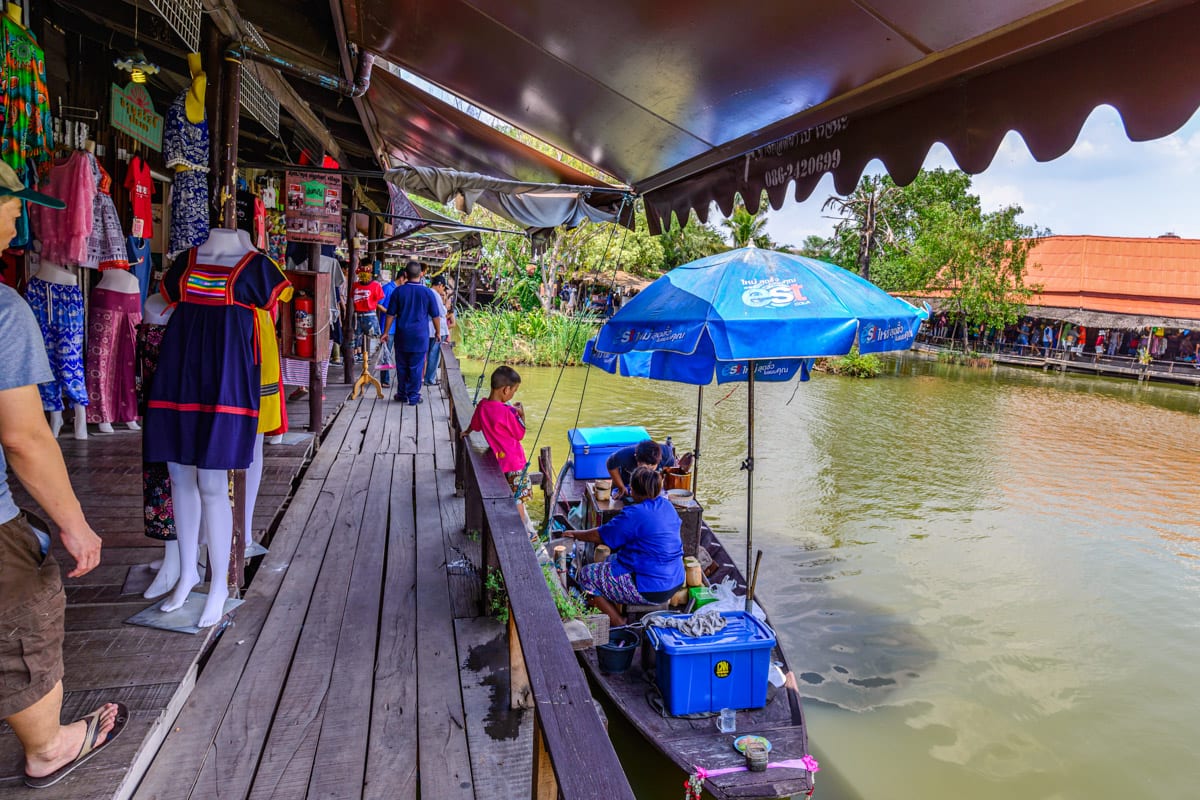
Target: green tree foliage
(933,236)
(686,243)
(746,228)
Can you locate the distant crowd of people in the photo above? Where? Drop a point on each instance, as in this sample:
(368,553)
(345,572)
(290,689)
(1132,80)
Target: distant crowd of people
(1048,337)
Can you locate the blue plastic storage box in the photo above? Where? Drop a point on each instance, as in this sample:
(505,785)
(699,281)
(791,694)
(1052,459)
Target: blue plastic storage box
(591,448)
(701,674)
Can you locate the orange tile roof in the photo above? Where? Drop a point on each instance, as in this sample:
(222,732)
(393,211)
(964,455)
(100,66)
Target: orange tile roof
(1150,277)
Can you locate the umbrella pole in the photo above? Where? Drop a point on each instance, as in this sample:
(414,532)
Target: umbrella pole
(696,449)
(748,465)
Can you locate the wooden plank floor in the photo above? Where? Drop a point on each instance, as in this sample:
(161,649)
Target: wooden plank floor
(344,675)
(150,671)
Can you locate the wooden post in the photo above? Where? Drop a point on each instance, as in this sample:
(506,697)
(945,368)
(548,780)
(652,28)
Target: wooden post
(316,405)
(349,321)
(232,85)
(214,66)
(520,693)
(237,550)
(231,98)
(545,784)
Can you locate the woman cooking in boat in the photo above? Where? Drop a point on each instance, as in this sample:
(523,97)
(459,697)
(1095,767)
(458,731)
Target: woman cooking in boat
(646,566)
(622,463)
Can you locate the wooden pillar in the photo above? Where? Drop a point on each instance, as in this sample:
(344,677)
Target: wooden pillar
(231,98)
(349,321)
(316,391)
(545,784)
(232,85)
(214,66)
(520,693)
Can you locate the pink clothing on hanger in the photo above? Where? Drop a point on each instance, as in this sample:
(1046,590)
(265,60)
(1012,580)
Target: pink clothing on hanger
(64,233)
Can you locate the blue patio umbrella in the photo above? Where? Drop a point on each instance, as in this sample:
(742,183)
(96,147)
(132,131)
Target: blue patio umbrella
(730,315)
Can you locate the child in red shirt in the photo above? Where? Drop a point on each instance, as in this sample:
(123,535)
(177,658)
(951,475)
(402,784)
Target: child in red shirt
(366,294)
(503,426)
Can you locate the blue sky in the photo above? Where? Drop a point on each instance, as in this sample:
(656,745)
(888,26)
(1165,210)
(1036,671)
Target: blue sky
(1105,185)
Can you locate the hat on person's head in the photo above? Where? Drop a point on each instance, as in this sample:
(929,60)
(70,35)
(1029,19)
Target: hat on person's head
(12,186)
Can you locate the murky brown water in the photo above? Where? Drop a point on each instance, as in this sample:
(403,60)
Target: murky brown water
(989,580)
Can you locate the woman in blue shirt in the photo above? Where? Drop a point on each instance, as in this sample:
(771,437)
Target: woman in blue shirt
(646,566)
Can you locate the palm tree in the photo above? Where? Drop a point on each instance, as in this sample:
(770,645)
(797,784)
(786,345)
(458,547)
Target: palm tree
(746,228)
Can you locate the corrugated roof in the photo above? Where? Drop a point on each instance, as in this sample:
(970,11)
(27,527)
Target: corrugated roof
(1143,277)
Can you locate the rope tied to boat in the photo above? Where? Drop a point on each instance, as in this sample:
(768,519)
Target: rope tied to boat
(702,623)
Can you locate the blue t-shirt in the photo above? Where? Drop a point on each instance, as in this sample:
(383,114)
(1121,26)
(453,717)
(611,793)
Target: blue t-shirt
(24,364)
(625,460)
(388,288)
(644,539)
(413,306)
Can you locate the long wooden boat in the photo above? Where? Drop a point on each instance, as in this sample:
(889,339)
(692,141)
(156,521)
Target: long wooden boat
(692,743)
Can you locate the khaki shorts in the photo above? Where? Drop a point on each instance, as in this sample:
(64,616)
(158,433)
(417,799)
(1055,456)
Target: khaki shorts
(32,603)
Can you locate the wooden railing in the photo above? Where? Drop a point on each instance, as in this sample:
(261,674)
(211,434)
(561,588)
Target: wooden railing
(572,755)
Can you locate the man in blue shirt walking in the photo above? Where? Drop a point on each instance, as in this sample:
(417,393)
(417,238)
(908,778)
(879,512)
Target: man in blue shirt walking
(385,375)
(413,308)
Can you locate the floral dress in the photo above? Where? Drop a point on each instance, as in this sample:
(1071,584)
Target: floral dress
(25,128)
(186,146)
(157,510)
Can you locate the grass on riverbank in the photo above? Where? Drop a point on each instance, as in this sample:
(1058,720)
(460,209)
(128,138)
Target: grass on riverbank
(524,337)
(852,365)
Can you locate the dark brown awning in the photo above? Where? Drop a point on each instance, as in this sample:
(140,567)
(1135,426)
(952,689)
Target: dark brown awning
(419,129)
(693,102)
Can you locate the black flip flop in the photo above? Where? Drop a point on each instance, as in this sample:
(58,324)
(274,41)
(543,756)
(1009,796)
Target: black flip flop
(89,748)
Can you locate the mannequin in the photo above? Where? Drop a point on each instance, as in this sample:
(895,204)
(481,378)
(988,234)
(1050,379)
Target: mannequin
(159,511)
(209,361)
(113,321)
(57,302)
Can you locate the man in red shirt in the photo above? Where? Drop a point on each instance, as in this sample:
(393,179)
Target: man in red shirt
(366,294)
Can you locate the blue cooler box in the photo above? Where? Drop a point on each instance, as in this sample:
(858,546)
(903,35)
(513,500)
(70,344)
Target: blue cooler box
(700,674)
(592,447)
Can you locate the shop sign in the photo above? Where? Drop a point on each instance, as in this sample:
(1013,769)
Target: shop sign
(314,208)
(133,113)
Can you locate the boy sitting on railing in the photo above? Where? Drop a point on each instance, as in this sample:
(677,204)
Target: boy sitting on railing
(503,426)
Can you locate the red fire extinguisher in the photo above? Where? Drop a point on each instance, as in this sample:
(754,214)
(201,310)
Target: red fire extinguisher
(303,319)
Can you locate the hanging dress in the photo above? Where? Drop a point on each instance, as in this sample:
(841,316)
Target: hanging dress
(59,312)
(111,355)
(65,232)
(158,512)
(25,128)
(106,244)
(186,145)
(204,404)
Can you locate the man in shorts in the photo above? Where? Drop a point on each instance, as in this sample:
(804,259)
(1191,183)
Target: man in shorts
(32,600)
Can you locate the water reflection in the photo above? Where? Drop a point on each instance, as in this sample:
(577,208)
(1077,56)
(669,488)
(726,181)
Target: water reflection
(987,580)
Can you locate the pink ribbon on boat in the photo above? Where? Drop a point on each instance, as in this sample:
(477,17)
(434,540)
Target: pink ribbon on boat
(807,763)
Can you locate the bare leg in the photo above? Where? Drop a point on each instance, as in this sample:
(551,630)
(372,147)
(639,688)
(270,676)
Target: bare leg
(49,744)
(609,608)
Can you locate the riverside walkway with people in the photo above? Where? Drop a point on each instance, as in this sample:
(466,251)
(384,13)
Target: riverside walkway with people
(360,663)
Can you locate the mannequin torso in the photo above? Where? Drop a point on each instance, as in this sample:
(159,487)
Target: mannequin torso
(54,273)
(119,280)
(225,246)
(156,310)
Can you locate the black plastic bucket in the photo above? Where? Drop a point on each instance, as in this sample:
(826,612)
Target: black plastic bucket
(617,655)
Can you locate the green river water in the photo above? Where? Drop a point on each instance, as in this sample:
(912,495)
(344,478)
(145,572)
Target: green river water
(987,582)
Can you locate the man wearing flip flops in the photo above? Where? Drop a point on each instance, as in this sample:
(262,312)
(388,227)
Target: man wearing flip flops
(32,600)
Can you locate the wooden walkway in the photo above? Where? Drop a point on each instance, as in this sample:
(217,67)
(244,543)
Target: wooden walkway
(151,671)
(341,676)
